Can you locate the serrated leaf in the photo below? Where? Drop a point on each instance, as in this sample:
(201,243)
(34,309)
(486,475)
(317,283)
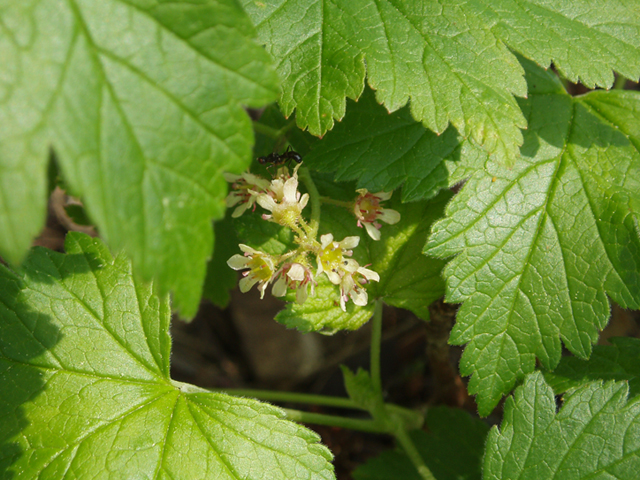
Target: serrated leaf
(441,57)
(619,361)
(383,151)
(142,103)
(84,371)
(594,435)
(452,449)
(540,246)
(585,40)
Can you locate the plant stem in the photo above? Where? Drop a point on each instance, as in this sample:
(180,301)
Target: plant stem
(293,397)
(376,340)
(412,452)
(370,426)
(314,197)
(266,130)
(620,82)
(339,203)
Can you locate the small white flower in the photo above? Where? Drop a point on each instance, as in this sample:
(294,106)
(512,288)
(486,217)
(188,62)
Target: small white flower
(368,211)
(261,268)
(284,201)
(245,189)
(294,276)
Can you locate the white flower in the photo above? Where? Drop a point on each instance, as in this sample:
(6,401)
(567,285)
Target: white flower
(368,211)
(295,276)
(331,259)
(342,271)
(245,189)
(261,268)
(284,201)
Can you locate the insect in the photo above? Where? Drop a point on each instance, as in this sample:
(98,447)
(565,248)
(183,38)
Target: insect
(278,159)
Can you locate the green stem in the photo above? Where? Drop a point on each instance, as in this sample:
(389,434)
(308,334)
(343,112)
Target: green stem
(412,452)
(376,340)
(266,130)
(291,397)
(314,197)
(335,421)
(339,203)
(620,82)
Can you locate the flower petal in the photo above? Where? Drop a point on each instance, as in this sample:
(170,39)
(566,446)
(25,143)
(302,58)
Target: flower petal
(247,282)
(369,274)
(238,262)
(266,202)
(349,242)
(280,287)
(326,240)
(389,216)
(372,231)
(296,272)
(359,296)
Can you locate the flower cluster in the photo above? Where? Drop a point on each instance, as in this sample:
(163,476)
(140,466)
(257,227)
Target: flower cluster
(293,270)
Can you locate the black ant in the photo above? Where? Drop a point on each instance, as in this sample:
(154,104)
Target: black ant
(279,159)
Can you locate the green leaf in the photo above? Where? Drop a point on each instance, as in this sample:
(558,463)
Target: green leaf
(360,388)
(441,56)
(594,435)
(585,40)
(220,278)
(452,449)
(607,362)
(322,313)
(142,103)
(383,151)
(540,246)
(408,279)
(84,371)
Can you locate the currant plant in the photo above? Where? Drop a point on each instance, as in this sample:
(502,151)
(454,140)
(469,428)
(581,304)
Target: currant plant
(434,153)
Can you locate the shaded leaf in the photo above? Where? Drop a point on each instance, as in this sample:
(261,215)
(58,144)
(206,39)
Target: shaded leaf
(383,151)
(452,449)
(619,361)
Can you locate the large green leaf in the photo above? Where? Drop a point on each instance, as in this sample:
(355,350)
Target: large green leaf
(383,150)
(540,246)
(441,56)
(447,58)
(84,371)
(142,102)
(594,435)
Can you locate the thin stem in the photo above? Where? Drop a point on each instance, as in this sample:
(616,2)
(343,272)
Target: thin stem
(276,134)
(292,397)
(266,130)
(620,82)
(333,420)
(376,339)
(314,197)
(412,452)
(339,203)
